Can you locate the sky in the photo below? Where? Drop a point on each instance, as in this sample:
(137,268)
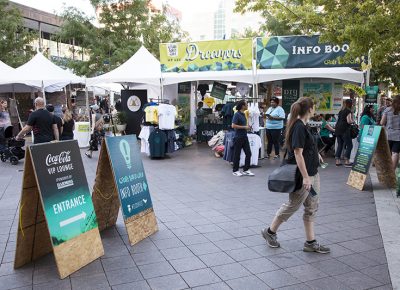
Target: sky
(197,15)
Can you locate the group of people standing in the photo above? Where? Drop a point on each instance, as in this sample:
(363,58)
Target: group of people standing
(47,126)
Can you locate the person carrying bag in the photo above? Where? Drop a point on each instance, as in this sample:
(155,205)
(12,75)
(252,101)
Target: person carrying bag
(303,154)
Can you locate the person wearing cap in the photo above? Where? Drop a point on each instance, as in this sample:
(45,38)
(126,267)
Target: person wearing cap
(41,123)
(274,124)
(57,119)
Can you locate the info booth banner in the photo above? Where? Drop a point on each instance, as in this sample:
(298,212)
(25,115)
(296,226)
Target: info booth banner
(301,52)
(217,55)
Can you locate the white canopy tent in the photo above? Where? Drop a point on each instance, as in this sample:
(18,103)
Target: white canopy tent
(6,71)
(338,73)
(243,76)
(40,72)
(141,68)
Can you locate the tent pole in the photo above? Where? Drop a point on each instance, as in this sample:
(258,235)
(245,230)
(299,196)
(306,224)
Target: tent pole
(162,88)
(44,94)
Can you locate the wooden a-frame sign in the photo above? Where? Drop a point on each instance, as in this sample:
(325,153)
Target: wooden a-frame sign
(373,147)
(56,211)
(121,181)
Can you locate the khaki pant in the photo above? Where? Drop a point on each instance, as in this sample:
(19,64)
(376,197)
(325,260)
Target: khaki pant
(299,197)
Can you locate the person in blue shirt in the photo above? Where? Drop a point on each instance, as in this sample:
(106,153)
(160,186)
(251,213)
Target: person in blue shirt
(240,140)
(274,124)
(367,118)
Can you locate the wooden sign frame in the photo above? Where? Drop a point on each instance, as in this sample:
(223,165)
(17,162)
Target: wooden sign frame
(107,202)
(33,236)
(383,163)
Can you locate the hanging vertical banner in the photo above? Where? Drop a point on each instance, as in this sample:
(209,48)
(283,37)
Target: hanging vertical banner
(57,212)
(132,103)
(337,96)
(120,158)
(372,94)
(321,94)
(184,90)
(290,93)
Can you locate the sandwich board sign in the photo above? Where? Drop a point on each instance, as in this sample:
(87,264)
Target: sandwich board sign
(120,161)
(373,146)
(56,209)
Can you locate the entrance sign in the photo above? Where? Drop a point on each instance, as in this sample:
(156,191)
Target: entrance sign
(300,52)
(57,212)
(373,143)
(219,90)
(120,159)
(217,55)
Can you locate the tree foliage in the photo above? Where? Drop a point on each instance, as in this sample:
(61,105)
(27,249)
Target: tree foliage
(14,38)
(123,27)
(364,24)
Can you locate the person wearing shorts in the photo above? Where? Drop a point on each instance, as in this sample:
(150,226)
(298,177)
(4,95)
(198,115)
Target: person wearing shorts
(391,120)
(303,151)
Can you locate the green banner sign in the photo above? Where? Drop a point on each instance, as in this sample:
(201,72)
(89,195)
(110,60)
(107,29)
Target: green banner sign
(290,94)
(369,140)
(217,55)
(218,90)
(129,174)
(64,189)
(300,52)
(372,94)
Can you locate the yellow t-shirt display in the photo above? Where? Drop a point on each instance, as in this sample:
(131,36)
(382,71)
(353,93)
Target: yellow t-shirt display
(151,114)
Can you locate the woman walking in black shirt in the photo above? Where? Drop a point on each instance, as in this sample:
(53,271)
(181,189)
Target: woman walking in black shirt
(342,132)
(302,151)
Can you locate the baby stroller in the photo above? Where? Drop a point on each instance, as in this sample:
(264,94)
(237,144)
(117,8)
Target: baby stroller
(10,149)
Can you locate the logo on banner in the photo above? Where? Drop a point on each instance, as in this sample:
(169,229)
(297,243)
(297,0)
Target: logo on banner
(134,103)
(126,152)
(172,49)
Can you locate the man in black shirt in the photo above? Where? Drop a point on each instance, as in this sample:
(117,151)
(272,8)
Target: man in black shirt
(42,124)
(240,141)
(57,119)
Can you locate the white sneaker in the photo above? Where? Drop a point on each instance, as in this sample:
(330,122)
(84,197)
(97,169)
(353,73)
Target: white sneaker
(248,173)
(237,173)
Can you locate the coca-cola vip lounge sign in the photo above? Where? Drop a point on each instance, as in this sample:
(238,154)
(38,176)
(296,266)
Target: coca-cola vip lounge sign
(217,55)
(56,211)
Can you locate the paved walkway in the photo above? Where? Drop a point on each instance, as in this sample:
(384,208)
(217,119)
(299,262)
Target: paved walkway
(209,236)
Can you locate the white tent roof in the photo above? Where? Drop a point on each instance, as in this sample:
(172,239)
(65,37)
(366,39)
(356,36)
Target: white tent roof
(243,76)
(6,71)
(40,69)
(338,73)
(141,68)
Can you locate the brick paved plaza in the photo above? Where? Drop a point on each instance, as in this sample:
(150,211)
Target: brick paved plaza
(209,236)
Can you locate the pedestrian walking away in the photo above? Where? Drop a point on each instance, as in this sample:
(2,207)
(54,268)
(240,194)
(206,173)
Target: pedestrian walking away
(240,140)
(274,124)
(41,123)
(303,151)
(343,134)
(391,120)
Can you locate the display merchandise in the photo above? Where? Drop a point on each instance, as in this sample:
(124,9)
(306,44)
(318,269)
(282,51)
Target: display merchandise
(255,145)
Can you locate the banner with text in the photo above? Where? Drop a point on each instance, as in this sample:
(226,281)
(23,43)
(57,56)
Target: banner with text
(369,140)
(129,175)
(217,55)
(290,94)
(300,52)
(64,189)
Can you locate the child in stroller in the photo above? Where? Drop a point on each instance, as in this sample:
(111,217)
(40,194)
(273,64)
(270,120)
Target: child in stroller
(10,149)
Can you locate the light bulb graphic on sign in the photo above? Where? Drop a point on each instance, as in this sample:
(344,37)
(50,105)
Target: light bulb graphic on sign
(126,152)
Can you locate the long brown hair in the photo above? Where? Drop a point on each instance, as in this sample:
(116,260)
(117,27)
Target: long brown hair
(299,109)
(67,115)
(396,104)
